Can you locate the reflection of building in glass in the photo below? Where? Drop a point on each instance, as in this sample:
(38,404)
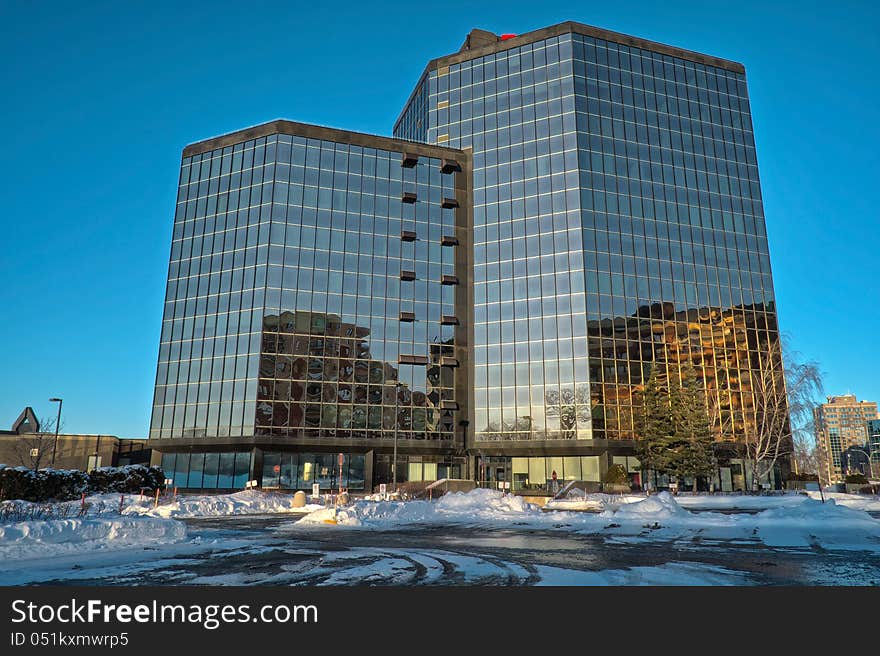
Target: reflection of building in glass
(841,423)
(618,226)
(874,444)
(318,378)
(317,304)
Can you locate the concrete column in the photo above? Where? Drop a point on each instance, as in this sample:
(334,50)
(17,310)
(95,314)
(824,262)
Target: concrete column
(368,472)
(256,472)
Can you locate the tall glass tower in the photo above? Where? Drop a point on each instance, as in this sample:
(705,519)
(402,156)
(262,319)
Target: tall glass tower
(618,230)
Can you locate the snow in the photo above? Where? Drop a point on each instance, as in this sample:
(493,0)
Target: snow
(140,524)
(855,501)
(658,506)
(249,502)
(59,537)
(795,521)
(578,500)
(475,507)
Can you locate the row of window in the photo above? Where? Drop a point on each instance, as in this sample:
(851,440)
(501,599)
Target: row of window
(300,471)
(207,470)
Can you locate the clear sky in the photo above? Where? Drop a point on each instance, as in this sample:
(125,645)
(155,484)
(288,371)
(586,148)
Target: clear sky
(98,99)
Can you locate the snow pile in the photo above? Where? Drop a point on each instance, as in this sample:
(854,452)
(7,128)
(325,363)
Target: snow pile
(249,502)
(658,506)
(480,506)
(578,500)
(58,537)
(733,502)
(856,501)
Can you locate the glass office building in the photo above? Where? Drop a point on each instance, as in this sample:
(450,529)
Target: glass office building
(618,230)
(317,304)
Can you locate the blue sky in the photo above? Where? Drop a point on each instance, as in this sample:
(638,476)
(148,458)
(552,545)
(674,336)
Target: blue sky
(100,98)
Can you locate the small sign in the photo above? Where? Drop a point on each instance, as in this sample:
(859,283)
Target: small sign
(500,485)
(276,468)
(35,453)
(506,485)
(168,481)
(383,489)
(316,489)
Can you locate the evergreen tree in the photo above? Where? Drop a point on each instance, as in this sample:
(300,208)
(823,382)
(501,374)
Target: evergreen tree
(690,446)
(654,425)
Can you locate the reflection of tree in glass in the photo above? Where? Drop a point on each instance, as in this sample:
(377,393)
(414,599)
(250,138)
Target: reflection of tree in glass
(571,406)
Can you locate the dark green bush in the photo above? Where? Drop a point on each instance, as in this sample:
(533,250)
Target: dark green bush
(856,479)
(67,484)
(131,478)
(43,485)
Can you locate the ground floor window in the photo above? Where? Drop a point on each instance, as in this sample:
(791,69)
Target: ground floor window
(539,474)
(418,469)
(299,471)
(207,470)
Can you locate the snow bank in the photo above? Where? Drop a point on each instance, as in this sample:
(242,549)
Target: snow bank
(579,501)
(658,506)
(249,502)
(854,501)
(42,539)
(735,502)
(480,506)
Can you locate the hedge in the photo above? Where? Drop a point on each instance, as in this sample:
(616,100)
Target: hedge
(67,484)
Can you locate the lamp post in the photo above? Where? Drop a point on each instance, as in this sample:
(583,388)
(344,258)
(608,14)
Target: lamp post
(60,402)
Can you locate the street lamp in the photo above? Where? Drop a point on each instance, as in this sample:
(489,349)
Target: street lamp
(60,402)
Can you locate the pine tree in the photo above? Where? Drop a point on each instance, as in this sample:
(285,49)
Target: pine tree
(690,446)
(654,426)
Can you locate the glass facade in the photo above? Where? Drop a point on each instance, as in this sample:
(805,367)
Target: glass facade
(212,470)
(618,229)
(314,294)
(299,471)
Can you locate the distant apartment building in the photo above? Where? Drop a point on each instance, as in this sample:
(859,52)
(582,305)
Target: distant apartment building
(841,423)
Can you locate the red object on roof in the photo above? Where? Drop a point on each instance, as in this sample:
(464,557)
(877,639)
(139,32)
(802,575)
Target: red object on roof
(505,37)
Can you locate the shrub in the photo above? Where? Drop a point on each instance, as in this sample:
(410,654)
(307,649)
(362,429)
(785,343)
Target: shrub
(856,479)
(43,485)
(131,478)
(65,485)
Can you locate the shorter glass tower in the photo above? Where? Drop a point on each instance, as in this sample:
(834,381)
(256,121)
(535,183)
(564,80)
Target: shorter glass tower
(318,311)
